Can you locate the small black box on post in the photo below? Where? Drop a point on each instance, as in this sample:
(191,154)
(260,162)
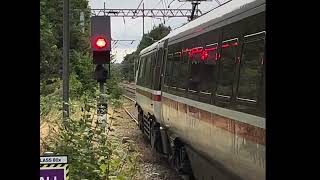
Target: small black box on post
(100,39)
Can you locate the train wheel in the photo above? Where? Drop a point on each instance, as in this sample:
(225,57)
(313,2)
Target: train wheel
(155,137)
(181,162)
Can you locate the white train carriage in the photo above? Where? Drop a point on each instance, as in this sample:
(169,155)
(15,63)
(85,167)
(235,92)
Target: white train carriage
(200,93)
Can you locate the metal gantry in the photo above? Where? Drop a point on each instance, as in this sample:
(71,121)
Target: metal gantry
(145,12)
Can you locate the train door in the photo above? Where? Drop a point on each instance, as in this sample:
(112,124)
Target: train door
(136,68)
(163,62)
(250,94)
(162,54)
(157,72)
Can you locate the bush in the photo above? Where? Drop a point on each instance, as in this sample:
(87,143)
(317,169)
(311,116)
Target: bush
(50,101)
(92,154)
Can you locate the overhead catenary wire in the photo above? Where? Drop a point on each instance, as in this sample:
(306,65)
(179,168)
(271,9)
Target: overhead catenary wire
(218,2)
(152,23)
(139,5)
(182,5)
(170,3)
(157,4)
(164,4)
(178,8)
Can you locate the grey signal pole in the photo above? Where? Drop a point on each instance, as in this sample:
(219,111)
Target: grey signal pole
(65,63)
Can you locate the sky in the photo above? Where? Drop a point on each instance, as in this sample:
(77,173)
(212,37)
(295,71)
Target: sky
(131,29)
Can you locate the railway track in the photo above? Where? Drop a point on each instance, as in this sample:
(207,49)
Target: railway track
(129,90)
(132,117)
(130,95)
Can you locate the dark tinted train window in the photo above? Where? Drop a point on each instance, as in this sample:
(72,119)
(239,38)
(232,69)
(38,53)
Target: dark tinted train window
(227,67)
(208,68)
(168,70)
(195,64)
(156,75)
(251,70)
(183,71)
(148,72)
(194,77)
(196,55)
(153,69)
(176,70)
(254,23)
(141,70)
(211,53)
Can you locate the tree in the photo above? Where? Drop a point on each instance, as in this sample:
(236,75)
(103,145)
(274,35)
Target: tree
(127,67)
(129,62)
(155,34)
(50,54)
(51,44)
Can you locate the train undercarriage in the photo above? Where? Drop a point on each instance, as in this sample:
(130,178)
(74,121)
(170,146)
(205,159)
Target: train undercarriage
(169,147)
(189,164)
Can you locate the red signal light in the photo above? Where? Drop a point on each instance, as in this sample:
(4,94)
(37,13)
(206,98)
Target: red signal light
(101,42)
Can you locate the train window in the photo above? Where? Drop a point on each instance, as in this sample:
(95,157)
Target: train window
(141,70)
(156,75)
(153,69)
(195,64)
(141,64)
(196,55)
(148,71)
(168,69)
(194,78)
(208,69)
(210,53)
(176,69)
(227,67)
(251,68)
(254,23)
(183,71)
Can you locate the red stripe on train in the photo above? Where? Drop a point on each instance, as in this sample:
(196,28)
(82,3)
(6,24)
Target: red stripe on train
(156,97)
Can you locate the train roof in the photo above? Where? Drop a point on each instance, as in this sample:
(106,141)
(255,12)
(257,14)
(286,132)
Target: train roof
(149,48)
(214,16)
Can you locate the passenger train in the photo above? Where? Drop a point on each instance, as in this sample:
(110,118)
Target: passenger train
(200,94)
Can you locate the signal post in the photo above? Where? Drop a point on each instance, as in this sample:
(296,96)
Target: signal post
(100,49)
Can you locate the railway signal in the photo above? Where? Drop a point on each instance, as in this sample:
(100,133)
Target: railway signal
(100,39)
(100,42)
(100,48)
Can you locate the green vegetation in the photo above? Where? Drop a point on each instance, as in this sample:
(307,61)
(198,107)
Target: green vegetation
(51,33)
(92,154)
(129,63)
(113,90)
